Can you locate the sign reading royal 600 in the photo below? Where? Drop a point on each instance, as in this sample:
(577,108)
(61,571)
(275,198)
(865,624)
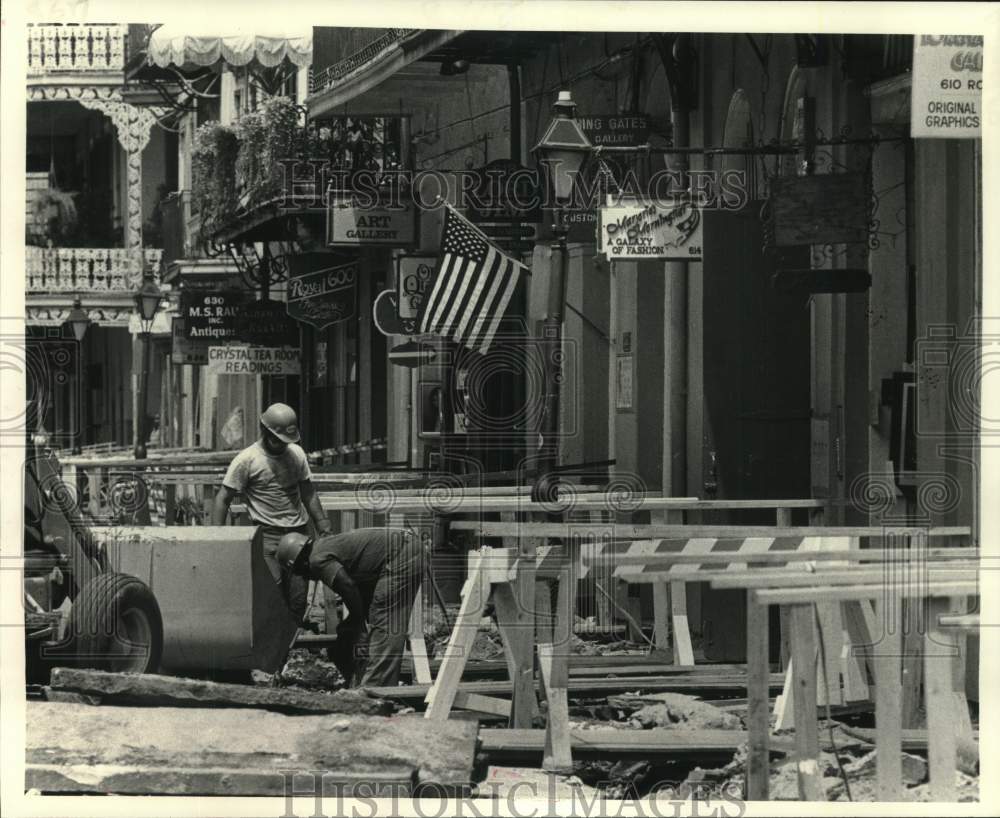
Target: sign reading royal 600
(669,230)
(322,289)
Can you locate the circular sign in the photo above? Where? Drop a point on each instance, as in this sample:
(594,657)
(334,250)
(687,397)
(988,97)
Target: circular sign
(386,316)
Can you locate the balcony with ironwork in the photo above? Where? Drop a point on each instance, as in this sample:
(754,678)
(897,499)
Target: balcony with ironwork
(77,47)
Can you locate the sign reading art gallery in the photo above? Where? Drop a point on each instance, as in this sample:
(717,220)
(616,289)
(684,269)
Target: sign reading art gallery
(947,95)
(322,289)
(349,223)
(247,360)
(669,230)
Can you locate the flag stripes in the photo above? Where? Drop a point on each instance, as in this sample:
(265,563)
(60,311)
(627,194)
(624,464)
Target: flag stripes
(473,288)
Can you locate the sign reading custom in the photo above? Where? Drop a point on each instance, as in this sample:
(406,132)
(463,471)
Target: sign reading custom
(266,324)
(350,224)
(322,289)
(668,230)
(211,315)
(947,96)
(248,360)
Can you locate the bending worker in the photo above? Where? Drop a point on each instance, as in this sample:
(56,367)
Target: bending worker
(274,478)
(376,572)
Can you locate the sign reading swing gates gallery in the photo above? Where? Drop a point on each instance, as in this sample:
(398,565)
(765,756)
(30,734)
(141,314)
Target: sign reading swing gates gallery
(322,289)
(669,230)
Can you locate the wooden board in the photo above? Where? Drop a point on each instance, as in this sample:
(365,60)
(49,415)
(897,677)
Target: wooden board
(628,531)
(154,750)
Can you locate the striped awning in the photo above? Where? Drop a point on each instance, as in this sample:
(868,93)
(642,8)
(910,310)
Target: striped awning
(190,44)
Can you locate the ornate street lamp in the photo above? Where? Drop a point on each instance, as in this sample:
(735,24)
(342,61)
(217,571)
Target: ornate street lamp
(147,302)
(78,321)
(563,150)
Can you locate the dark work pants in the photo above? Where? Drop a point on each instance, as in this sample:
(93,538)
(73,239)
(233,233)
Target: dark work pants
(294,587)
(388,603)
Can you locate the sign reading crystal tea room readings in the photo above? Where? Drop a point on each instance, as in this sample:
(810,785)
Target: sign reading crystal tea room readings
(322,289)
(670,230)
(248,360)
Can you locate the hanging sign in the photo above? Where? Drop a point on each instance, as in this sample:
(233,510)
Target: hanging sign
(414,279)
(386,316)
(211,315)
(350,224)
(184,351)
(671,230)
(248,360)
(322,290)
(947,93)
(266,324)
(412,354)
(827,208)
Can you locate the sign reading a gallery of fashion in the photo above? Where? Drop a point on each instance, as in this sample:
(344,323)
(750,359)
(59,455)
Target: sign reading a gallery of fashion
(322,289)
(248,360)
(211,315)
(350,222)
(947,94)
(670,230)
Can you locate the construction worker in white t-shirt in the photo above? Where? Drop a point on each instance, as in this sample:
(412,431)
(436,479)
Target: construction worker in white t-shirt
(274,478)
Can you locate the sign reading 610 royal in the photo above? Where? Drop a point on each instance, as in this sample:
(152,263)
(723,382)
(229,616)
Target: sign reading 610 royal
(669,230)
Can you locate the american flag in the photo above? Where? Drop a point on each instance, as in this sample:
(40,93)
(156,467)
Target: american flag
(473,286)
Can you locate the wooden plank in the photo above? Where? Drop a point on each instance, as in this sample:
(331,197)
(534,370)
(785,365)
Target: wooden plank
(174,691)
(860,575)
(557,756)
(783,712)
(627,531)
(441,695)
(758,715)
(615,743)
(793,596)
(857,662)
(661,616)
(639,568)
(804,698)
(156,751)
(886,655)
(479,703)
(683,651)
(940,651)
(591,686)
(518,634)
(415,637)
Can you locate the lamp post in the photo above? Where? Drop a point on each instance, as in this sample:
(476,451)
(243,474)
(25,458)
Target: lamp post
(147,301)
(78,321)
(563,150)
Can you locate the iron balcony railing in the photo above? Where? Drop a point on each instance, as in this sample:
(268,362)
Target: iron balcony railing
(76,47)
(87,269)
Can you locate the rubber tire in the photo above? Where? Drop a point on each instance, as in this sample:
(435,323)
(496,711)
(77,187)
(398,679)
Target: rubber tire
(91,627)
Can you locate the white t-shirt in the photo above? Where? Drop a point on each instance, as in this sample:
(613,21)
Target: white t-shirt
(270,484)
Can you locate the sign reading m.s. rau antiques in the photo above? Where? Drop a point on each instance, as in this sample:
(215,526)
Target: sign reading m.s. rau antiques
(322,288)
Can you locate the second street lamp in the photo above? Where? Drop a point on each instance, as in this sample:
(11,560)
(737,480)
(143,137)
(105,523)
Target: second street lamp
(562,150)
(147,302)
(78,321)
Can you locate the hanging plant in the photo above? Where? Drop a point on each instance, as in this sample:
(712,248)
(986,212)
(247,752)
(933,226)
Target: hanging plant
(54,218)
(251,159)
(213,175)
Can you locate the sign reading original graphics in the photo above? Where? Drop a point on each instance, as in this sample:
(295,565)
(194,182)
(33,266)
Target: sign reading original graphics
(182,350)
(947,93)
(349,223)
(248,360)
(665,230)
(322,289)
(211,315)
